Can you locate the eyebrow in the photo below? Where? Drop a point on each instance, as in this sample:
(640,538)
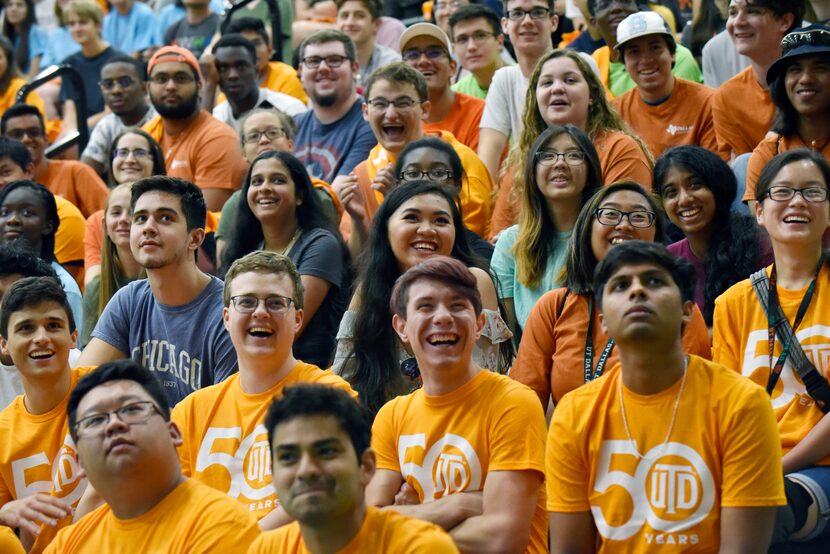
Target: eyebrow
(316,444)
(418,211)
(161,210)
(34,319)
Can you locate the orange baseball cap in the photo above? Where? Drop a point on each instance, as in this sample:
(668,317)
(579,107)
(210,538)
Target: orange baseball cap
(174,54)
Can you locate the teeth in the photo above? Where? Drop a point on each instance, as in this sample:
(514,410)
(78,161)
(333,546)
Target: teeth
(37,354)
(690,213)
(796,219)
(443,338)
(618,240)
(260,331)
(429,246)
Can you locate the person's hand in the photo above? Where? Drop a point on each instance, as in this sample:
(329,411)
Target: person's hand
(351,197)
(407,496)
(31,512)
(385,180)
(207,63)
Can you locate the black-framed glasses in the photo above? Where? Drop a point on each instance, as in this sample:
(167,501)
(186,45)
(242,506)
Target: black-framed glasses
(180,78)
(638,218)
(333,61)
(518,14)
(123,82)
(31,132)
(273,133)
(436,174)
(133,413)
(550,157)
(138,153)
(780,193)
(431,52)
(247,303)
(478,37)
(401,104)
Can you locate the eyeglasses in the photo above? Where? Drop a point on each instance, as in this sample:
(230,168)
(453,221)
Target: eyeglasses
(431,52)
(333,61)
(550,157)
(138,153)
(130,414)
(177,78)
(273,133)
(478,37)
(401,104)
(815,195)
(123,82)
(519,14)
(638,218)
(436,174)
(18,134)
(247,303)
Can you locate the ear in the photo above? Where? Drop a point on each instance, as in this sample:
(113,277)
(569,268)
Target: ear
(355,67)
(368,464)
(554,23)
(504,25)
(759,212)
(425,107)
(226,318)
(399,324)
(376,24)
(30,170)
(47,229)
(688,309)
(592,21)
(601,322)
(175,433)
(197,237)
(74,337)
(4,346)
(299,315)
(365,107)
(500,40)
(453,65)
(290,144)
(480,321)
(785,22)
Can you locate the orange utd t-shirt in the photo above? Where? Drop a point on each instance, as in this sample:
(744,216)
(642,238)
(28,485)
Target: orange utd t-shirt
(206,153)
(37,455)
(78,183)
(382,531)
(722,453)
(447,444)
(684,118)
(225,441)
(740,342)
(191,519)
(552,352)
(462,121)
(767,149)
(742,111)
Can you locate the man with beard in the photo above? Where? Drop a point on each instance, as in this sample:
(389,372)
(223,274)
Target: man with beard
(170,322)
(196,146)
(332,138)
(124,87)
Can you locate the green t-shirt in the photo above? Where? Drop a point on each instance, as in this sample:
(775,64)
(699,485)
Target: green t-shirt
(469,85)
(685,67)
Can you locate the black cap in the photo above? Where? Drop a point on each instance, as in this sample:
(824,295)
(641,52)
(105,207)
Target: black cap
(813,39)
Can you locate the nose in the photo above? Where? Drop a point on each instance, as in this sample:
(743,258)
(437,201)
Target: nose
(263,139)
(441,313)
(798,198)
(40,336)
(260,311)
(114,424)
(636,289)
(624,223)
(307,467)
(426,228)
(13,217)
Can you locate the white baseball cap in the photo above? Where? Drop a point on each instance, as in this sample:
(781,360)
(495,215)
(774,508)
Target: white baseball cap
(428,30)
(641,24)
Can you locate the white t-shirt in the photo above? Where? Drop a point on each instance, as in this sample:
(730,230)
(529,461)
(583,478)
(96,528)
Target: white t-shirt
(267,98)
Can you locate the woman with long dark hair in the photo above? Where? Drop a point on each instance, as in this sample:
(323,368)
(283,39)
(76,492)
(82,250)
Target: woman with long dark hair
(417,220)
(281,213)
(20,26)
(698,188)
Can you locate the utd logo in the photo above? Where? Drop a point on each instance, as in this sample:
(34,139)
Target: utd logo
(247,462)
(448,466)
(66,481)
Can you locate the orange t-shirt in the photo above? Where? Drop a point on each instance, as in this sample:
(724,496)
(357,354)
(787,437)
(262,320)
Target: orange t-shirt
(207,153)
(620,158)
(447,444)
(9,97)
(742,110)
(9,543)
(552,352)
(281,77)
(767,149)
(722,453)
(382,531)
(37,455)
(475,188)
(191,519)
(684,118)
(462,121)
(69,240)
(78,183)
(93,239)
(225,443)
(740,342)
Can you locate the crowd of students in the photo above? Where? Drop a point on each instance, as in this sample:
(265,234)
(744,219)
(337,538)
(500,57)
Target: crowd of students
(445,287)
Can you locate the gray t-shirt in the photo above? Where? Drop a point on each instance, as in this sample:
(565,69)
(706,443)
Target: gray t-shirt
(104,133)
(187,347)
(193,37)
(381,55)
(720,60)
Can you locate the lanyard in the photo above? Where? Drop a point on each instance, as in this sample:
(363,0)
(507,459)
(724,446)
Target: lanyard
(590,373)
(772,323)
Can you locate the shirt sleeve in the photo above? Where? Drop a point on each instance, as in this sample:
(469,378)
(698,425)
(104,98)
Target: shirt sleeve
(37,42)
(725,342)
(567,474)
(757,161)
(322,257)
(179,416)
(384,439)
(517,439)
(364,141)
(627,161)
(696,336)
(223,353)
(219,163)
(503,263)
(496,113)
(90,189)
(100,140)
(114,324)
(534,362)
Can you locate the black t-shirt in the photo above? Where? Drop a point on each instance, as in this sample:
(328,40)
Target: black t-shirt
(90,71)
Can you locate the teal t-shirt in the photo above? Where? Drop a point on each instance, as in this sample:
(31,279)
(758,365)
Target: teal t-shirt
(685,67)
(503,263)
(469,85)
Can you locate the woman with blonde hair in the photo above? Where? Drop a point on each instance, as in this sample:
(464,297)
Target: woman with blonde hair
(564,89)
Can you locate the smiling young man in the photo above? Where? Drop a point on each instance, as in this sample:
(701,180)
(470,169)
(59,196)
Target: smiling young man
(170,322)
(40,481)
(320,440)
(742,106)
(662,109)
(196,146)
(126,444)
(235,65)
(478,40)
(606,16)
(397,104)
(469,445)
(426,47)
(124,86)
(223,424)
(668,450)
(360,21)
